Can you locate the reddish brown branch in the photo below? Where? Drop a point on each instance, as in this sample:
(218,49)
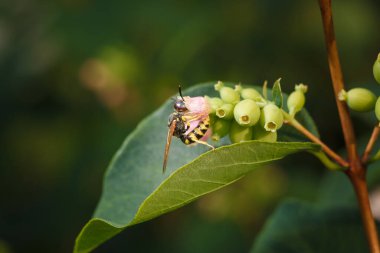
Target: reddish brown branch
(315,139)
(371,142)
(356,171)
(360,186)
(337,78)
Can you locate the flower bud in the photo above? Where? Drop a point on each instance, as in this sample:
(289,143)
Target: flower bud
(238,88)
(296,99)
(240,133)
(271,118)
(377,109)
(247,113)
(214,103)
(250,93)
(227,94)
(226,111)
(219,85)
(220,128)
(358,99)
(260,134)
(376,69)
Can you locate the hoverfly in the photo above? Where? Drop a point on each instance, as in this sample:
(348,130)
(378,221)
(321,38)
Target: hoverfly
(189,122)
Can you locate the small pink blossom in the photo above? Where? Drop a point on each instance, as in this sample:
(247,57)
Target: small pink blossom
(197,106)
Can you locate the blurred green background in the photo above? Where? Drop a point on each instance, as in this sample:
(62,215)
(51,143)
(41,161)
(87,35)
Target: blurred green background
(77,76)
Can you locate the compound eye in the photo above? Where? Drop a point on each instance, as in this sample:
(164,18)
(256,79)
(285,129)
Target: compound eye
(180,106)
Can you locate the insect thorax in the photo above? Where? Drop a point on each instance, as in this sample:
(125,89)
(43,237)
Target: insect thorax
(181,125)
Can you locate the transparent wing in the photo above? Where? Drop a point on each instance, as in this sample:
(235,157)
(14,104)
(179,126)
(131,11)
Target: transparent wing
(168,142)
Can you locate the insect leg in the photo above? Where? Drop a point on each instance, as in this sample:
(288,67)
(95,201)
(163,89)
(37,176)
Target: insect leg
(204,143)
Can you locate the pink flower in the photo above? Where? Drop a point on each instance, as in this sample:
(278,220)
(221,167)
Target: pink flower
(197,106)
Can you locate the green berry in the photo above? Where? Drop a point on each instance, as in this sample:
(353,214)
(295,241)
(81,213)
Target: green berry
(358,99)
(220,128)
(226,111)
(247,113)
(260,134)
(296,99)
(271,118)
(376,69)
(213,118)
(250,93)
(377,109)
(227,94)
(214,103)
(240,133)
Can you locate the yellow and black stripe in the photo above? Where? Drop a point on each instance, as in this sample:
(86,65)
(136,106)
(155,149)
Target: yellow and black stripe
(197,133)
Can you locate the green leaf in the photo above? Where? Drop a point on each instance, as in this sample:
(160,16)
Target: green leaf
(302,227)
(135,190)
(277,94)
(265,89)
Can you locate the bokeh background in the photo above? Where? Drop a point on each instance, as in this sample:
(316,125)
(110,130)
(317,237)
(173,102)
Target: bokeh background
(77,76)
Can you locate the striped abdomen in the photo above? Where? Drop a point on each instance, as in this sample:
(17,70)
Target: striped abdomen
(197,133)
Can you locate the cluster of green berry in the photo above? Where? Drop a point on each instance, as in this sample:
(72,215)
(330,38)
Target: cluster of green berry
(361,99)
(245,114)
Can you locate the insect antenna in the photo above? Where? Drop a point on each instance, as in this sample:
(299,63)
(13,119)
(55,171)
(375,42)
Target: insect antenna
(180,91)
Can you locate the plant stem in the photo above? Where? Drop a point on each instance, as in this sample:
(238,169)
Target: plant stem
(371,142)
(337,78)
(375,157)
(294,123)
(356,171)
(360,186)
(326,161)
